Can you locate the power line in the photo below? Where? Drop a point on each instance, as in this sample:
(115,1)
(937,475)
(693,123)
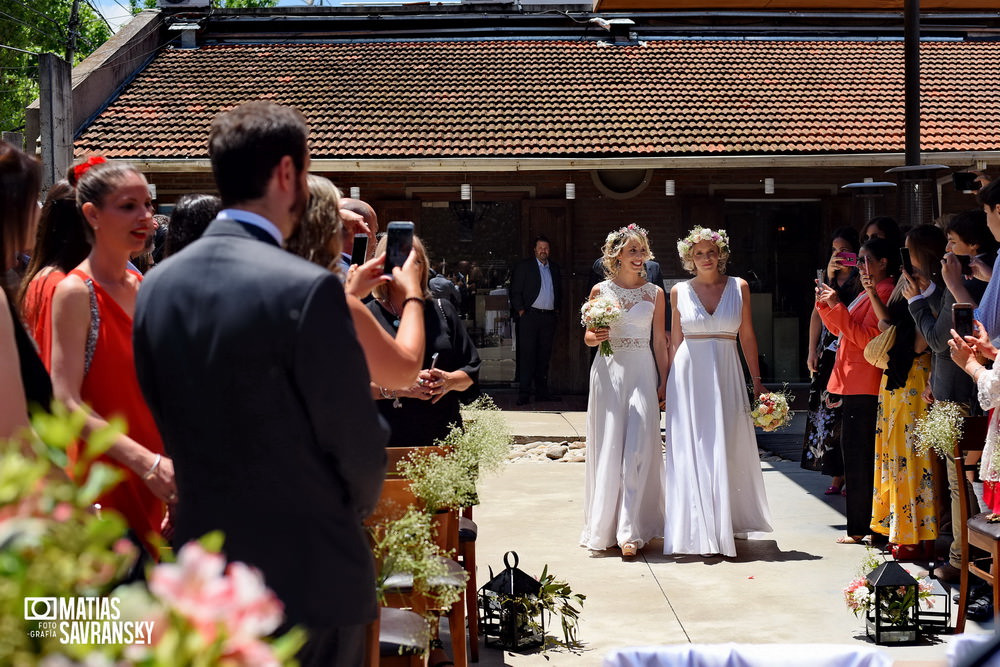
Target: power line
(44,16)
(98,12)
(14,48)
(26,25)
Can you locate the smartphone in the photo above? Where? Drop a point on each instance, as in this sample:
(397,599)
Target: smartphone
(965,181)
(964,261)
(399,243)
(360,250)
(962,318)
(905,261)
(434,361)
(848,258)
(820,277)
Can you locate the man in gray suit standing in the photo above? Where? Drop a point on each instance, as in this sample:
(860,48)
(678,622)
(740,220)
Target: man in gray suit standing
(248,360)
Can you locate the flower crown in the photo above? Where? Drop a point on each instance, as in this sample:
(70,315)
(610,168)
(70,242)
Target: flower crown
(699,234)
(619,233)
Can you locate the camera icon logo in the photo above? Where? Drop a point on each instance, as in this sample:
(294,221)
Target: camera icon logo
(40,609)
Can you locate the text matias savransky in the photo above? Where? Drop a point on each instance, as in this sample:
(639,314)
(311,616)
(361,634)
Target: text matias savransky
(84,620)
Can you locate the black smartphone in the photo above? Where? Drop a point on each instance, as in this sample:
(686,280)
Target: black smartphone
(820,277)
(904,260)
(399,243)
(964,261)
(962,318)
(965,181)
(360,249)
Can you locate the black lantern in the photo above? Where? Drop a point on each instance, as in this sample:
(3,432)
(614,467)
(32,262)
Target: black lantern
(511,617)
(935,617)
(892,618)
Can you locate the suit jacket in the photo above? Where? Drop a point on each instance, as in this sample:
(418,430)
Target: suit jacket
(933,319)
(248,360)
(526,283)
(852,375)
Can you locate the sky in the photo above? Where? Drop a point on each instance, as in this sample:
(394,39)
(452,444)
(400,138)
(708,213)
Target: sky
(116,11)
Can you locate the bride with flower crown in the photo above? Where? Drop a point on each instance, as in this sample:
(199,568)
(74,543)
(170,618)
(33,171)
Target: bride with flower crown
(714,486)
(623,496)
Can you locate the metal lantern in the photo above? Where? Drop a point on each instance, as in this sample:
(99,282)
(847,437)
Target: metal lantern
(893,616)
(504,621)
(935,618)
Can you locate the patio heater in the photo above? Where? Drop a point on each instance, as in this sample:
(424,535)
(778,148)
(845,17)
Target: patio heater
(868,200)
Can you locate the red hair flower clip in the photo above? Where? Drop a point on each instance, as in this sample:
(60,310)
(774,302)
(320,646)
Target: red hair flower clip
(81,169)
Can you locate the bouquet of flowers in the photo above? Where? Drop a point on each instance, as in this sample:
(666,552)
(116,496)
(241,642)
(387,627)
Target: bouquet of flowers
(599,312)
(859,595)
(939,429)
(771,411)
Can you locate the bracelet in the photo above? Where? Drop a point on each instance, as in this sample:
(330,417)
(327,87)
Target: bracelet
(152,469)
(418,299)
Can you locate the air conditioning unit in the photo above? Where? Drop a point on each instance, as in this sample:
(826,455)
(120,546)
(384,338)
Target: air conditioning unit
(182,4)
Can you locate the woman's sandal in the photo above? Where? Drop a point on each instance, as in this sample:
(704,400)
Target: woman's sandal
(629,550)
(851,539)
(832,490)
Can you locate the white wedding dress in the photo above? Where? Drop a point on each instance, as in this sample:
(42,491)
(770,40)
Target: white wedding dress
(714,485)
(623,497)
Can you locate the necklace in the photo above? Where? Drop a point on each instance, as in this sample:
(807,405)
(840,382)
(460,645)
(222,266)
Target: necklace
(387,304)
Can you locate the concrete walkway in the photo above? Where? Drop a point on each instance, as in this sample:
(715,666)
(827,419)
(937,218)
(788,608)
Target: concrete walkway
(784,587)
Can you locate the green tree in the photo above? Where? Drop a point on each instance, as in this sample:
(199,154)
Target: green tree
(28,27)
(138,5)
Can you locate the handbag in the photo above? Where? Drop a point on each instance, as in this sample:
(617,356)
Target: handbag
(877,349)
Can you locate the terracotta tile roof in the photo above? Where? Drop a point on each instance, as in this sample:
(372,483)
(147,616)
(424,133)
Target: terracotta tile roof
(564,98)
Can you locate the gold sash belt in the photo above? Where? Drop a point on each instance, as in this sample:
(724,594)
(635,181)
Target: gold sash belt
(722,334)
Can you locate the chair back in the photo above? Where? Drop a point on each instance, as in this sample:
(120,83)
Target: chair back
(968,451)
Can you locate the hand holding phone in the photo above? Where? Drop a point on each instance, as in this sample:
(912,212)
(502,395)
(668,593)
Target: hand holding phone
(905,261)
(360,249)
(962,319)
(399,243)
(847,259)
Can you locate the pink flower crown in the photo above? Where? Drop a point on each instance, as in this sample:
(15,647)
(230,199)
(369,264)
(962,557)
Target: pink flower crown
(628,229)
(699,234)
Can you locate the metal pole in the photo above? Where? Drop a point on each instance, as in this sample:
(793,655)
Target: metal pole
(911,48)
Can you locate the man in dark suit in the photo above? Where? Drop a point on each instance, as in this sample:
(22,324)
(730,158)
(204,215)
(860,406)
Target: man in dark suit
(535,290)
(248,360)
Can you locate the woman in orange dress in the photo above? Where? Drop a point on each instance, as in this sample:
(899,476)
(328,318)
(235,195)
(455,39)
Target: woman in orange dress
(92,365)
(61,245)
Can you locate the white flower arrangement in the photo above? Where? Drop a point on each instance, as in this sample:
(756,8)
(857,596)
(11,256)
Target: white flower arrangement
(601,311)
(939,429)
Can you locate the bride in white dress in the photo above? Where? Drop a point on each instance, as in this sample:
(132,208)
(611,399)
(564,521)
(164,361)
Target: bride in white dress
(714,485)
(623,497)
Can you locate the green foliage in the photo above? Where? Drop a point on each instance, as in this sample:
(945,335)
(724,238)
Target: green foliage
(555,597)
(51,543)
(406,545)
(479,446)
(39,26)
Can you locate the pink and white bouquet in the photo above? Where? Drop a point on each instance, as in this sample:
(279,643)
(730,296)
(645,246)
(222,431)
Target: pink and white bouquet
(771,411)
(601,311)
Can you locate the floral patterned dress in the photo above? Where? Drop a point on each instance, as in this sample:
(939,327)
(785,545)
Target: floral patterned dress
(904,506)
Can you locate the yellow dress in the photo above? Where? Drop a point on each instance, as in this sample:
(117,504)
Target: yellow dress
(904,505)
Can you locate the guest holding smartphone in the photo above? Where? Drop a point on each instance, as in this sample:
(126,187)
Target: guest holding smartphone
(856,323)
(821,443)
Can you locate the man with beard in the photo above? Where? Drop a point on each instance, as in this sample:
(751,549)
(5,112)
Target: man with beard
(248,360)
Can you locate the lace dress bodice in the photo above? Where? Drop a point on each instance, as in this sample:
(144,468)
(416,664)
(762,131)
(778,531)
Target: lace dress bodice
(632,330)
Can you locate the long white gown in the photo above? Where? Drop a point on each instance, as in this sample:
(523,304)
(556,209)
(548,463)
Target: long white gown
(714,485)
(623,497)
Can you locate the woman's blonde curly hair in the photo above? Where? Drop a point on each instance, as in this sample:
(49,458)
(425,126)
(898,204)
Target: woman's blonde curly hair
(616,242)
(317,238)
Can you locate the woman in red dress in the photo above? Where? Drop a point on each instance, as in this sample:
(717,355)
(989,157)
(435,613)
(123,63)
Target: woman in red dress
(92,365)
(60,247)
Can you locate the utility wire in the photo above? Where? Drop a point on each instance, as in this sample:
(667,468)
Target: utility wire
(44,16)
(98,12)
(26,25)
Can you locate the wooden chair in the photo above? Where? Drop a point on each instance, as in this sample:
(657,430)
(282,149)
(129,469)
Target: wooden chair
(975,530)
(468,531)
(397,638)
(396,497)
